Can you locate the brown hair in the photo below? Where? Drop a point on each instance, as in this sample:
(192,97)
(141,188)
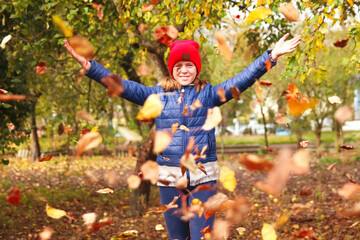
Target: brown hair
(170,84)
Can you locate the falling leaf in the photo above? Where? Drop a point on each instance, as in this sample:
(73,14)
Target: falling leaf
(167,207)
(162,141)
(281,119)
(268,232)
(265,83)
(341,43)
(45,159)
(204,187)
(350,178)
(235,92)
(11,126)
(10,97)
(62,25)
(185,111)
(221,229)
(146,7)
(105,190)
(240,230)
(304,143)
(224,47)
(282,220)
(88,141)
(89,219)
(103,222)
(292,92)
(183,127)
(259,92)
(174,127)
(40,68)
(196,104)
(166,35)
(54,213)
(335,100)
(227,178)
(290,12)
(181,183)
(82,46)
(13,196)
(159,227)
(347,147)
(349,191)
(206,230)
(150,170)
(301,162)
(111,177)
(142,28)
(213,118)
(95,129)
(180,99)
(5,40)
(2,91)
(258,14)
(331,167)
(151,108)
(268,66)
(144,70)
(188,161)
(99,11)
(342,114)
(213,204)
(133,181)
(83,131)
(114,85)
(221,94)
(84,115)
(255,163)
(269,149)
(129,134)
(46,233)
(201,167)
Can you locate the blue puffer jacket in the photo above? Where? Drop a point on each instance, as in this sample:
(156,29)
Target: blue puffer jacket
(138,93)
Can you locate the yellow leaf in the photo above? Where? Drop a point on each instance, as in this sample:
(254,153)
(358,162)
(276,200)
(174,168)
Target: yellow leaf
(151,108)
(62,25)
(350,2)
(268,232)
(227,178)
(258,14)
(95,129)
(54,213)
(282,220)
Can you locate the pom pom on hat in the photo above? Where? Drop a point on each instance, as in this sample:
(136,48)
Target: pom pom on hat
(184,50)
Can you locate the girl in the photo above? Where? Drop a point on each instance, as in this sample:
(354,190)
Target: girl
(184,67)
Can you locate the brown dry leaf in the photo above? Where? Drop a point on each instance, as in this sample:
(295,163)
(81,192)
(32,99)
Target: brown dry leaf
(84,115)
(281,119)
(146,7)
(105,190)
(13,196)
(254,162)
(204,187)
(45,159)
(341,43)
(181,183)
(82,46)
(40,68)
(142,28)
(347,147)
(133,181)
(54,213)
(335,100)
(221,94)
(213,118)
(349,191)
(201,167)
(258,14)
(268,66)
(279,175)
(235,92)
(187,161)
(185,112)
(265,83)
(259,92)
(144,70)
(88,141)
(83,131)
(236,210)
(174,127)
(331,167)
(68,129)
(196,104)
(305,191)
(151,108)
(227,178)
(221,230)
(46,233)
(162,141)
(224,47)
(61,129)
(167,207)
(301,162)
(343,114)
(213,203)
(290,12)
(166,35)
(269,149)
(11,97)
(150,171)
(183,127)
(304,143)
(350,178)
(180,99)
(103,222)
(114,85)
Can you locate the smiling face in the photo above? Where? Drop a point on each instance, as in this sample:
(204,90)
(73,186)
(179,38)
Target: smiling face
(184,72)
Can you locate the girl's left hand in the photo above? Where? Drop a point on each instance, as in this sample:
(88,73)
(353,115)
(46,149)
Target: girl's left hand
(282,47)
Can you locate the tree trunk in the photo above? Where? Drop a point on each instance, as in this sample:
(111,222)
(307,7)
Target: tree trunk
(265,128)
(318,140)
(139,198)
(339,138)
(35,146)
(157,61)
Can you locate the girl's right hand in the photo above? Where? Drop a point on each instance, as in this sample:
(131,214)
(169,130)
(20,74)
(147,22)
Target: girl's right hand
(80,59)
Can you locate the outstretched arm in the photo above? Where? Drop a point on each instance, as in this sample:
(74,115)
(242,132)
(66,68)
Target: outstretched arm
(255,70)
(133,91)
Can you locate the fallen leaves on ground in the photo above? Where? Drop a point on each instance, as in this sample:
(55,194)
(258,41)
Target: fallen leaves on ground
(54,213)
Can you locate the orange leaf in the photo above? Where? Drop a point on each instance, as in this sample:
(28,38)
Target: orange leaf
(44,159)
(13,196)
(174,127)
(150,171)
(292,92)
(259,92)
(268,65)
(221,94)
(146,7)
(40,68)
(162,140)
(253,162)
(10,97)
(224,47)
(304,143)
(82,46)
(196,104)
(88,141)
(114,85)
(290,12)
(166,35)
(265,83)
(183,127)
(103,222)
(235,92)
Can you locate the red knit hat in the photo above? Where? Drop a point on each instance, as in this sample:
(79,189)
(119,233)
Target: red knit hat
(184,50)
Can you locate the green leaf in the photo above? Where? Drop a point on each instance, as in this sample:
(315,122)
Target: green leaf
(6,105)
(5,161)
